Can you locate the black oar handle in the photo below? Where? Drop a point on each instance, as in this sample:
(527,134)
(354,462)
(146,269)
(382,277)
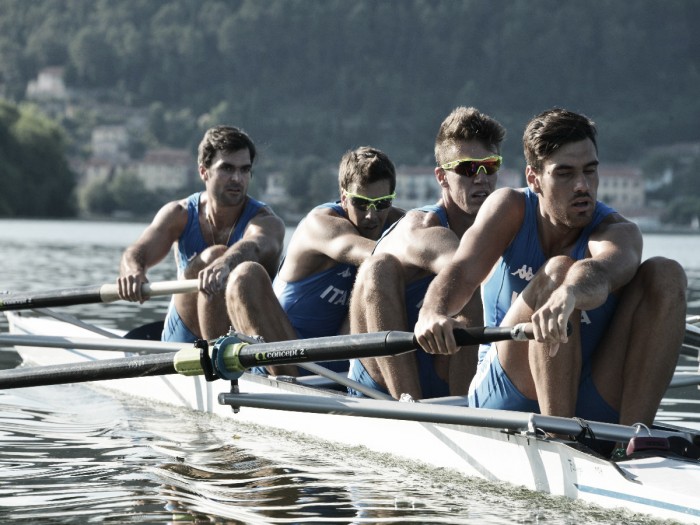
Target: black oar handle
(486,334)
(65,297)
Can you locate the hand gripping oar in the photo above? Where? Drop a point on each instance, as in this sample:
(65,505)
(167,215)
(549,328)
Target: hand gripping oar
(228,357)
(105,293)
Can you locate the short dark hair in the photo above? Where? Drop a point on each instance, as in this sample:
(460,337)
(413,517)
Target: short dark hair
(467,124)
(223,138)
(365,165)
(552,129)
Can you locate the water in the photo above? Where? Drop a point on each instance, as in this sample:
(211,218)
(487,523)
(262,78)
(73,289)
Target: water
(73,454)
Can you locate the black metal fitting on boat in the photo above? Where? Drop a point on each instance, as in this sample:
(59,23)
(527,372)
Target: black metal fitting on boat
(235,390)
(205,359)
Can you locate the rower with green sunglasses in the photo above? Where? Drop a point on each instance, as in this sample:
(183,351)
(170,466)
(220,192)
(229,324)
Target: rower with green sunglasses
(311,294)
(391,285)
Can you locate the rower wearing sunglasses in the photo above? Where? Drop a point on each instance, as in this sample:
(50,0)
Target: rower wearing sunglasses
(607,325)
(390,286)
(311,294)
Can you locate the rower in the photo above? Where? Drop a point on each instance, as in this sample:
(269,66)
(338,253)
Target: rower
(391,284)
(212,232)
(311,293)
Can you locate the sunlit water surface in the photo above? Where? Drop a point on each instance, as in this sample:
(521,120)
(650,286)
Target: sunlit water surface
(75,454)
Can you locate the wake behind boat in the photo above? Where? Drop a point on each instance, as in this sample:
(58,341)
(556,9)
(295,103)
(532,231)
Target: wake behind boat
(660,478)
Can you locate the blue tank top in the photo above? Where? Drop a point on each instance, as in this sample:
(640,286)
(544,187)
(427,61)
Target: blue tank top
(191,243)
(318,304)
(521,261)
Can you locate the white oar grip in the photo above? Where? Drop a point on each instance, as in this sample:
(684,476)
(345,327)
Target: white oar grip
(110,292)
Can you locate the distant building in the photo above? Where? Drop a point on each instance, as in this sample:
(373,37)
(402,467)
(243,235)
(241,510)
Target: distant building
(49,85)
(110,143)
(416,186)
(166,168)
(621,186)
(160,169)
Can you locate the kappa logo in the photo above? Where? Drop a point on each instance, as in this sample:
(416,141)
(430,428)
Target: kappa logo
(524,273)
(345,273)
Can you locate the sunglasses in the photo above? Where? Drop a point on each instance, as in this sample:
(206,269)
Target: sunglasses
(471,167)
(363,203)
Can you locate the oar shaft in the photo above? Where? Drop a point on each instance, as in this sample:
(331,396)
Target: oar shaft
(136,366)
(105,293)
(327,348)
(431,413)
(358,346)
(87,343)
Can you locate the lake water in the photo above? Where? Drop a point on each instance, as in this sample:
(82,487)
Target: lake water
(71,454)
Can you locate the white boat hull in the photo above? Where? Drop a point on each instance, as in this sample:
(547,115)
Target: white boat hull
(664,487)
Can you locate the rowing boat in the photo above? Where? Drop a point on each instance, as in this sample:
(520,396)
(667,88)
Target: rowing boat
(494,445)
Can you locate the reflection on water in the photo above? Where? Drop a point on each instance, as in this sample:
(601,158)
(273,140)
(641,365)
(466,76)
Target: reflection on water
(72,454)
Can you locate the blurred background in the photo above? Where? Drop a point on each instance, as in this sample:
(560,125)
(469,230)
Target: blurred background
(103,103)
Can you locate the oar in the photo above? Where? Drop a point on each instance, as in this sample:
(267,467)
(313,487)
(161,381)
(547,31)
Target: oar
(436,413)
(228,358)
(105,293)
(692,335)
(71,319)
(685,379)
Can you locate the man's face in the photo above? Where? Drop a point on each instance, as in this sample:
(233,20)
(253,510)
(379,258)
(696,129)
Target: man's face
(568,184)
(228,176)
(468,190)
(365,214)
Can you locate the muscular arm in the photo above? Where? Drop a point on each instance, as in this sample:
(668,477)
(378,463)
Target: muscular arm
(150,248)
(262,242)
(615,255)
(479,249)
(323,238)
(420,241)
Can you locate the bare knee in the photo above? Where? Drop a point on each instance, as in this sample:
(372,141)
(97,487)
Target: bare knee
(663,279)
(380,274)
(245,278)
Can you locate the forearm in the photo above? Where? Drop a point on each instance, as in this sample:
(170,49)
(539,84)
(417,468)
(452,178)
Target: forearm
(252,251)
(589,283)
(449,292)
(134,261)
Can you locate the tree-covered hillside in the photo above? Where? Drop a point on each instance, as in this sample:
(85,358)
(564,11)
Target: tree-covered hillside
(316,77)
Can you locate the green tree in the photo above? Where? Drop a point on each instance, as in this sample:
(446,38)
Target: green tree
(37,180)
(92,58)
